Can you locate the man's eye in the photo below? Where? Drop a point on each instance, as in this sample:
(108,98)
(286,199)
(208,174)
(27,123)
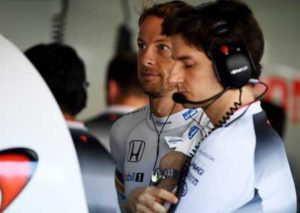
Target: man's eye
(141,45)
(188,65)
(163,47)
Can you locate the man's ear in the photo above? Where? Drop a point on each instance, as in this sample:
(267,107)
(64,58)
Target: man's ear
(113,91)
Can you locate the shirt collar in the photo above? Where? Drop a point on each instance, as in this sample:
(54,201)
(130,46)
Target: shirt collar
(173,121)
(76,125)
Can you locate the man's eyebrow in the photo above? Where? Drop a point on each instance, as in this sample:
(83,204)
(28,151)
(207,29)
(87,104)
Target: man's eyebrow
(162,40)
(182,57)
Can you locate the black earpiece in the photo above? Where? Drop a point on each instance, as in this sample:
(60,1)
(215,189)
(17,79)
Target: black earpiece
(232,62)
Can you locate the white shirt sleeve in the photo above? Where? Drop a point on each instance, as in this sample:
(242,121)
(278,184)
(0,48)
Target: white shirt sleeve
(220,177)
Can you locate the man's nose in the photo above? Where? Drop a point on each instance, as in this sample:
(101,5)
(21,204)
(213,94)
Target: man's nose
(147,57)
(176,75)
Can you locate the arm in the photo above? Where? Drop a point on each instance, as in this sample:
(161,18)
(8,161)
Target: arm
(117,155)
(152,198)
(172,160)
(223,178)
(119,184)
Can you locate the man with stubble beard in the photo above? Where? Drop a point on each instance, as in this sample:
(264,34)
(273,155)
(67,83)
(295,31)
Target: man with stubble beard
(140,140)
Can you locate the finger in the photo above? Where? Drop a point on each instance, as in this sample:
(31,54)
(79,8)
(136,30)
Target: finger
(149,200)
(142,209)
(157,207)
(153,191)
(166,195)
(146,199)
(157,199)
(150,189)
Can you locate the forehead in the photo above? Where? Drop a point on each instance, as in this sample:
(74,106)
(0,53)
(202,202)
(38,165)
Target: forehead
(151,28)
(181,47)
(182,50)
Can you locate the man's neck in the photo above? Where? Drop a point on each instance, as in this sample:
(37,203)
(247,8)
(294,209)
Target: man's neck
(218,109)
(69,117)
(162,106)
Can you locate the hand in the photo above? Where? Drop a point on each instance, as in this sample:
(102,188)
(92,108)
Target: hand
(149,199)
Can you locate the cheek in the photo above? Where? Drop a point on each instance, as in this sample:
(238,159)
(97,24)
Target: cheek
(165,65)
(139,63)
(197,80)
(203,85)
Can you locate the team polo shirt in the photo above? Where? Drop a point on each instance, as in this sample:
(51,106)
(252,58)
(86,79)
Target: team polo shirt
(136,148)
(240,167)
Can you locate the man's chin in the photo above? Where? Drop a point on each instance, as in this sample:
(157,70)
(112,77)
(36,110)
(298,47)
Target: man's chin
(190,106)
(153,92)
(158,91)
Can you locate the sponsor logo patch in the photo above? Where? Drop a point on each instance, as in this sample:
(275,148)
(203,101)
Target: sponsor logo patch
(136,150)
(192,179)
(197,168)
(190,113)
(207,155)
(238,70)
(173,141)
(193,132)
(161,123)
(134,177)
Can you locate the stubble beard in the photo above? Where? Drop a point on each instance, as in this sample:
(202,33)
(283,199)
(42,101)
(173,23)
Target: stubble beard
(153,92)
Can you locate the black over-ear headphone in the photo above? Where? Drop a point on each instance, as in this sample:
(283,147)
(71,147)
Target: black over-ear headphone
(232,61)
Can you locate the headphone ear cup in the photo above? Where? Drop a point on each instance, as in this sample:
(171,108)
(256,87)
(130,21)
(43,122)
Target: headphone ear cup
(231,64)
(238,69)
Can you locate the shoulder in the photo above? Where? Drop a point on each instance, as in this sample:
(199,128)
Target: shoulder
(84,140)
(123,126)
(130,119)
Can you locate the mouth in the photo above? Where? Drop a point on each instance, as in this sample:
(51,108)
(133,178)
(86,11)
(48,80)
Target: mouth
(149,75)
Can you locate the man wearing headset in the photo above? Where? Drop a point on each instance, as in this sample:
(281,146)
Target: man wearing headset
(139,140)
(241,166)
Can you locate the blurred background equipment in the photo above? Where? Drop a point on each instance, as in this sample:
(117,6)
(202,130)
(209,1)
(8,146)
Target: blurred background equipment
(123,92)
(59,23)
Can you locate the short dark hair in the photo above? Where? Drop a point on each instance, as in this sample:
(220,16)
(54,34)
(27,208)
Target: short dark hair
(123,69)
(163,10)
(197,27)
(64,72)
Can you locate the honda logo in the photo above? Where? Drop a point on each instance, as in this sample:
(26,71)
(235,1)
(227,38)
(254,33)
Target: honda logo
(136,150)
